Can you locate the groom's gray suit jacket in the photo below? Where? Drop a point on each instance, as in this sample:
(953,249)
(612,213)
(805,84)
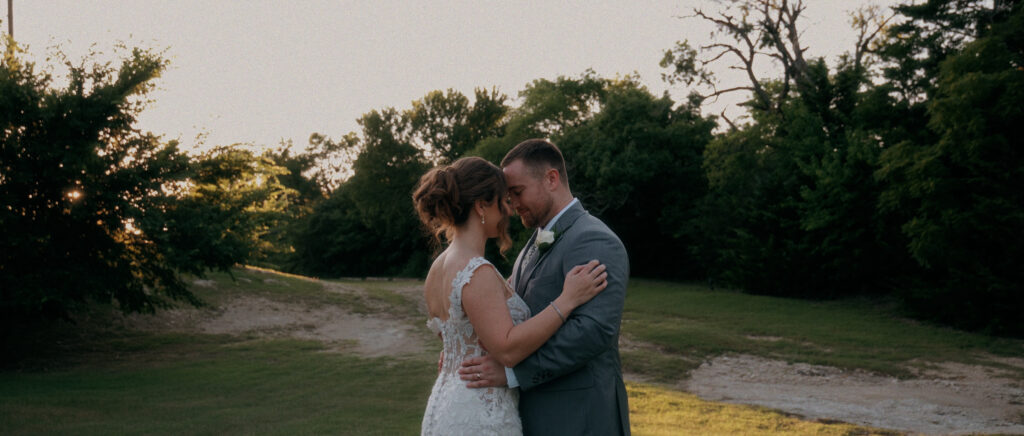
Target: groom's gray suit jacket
(573,383)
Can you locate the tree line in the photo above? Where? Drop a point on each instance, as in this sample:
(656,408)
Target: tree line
(892,172)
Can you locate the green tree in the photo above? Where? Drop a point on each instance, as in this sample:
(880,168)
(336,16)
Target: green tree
(750,221)
(548,108)
(960,192)
(234,209)
(449,126)
(368,226)
(332,241)
(78,185)
(790,209)
(930,32)
(636,163)
(312,174)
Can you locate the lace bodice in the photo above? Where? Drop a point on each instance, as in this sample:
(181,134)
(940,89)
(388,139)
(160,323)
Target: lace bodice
(459,338)
(453,408)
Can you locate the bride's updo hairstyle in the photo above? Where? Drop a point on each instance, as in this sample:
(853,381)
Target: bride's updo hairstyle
(445,195)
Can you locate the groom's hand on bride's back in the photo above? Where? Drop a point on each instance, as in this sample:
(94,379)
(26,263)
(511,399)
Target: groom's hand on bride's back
(482,372)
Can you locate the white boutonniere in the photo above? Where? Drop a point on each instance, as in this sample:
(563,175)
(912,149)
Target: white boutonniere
(544,240)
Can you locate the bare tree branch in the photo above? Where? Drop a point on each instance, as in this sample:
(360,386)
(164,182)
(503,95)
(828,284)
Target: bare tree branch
(717,92)
(869,24)
(732,126)
(750,32)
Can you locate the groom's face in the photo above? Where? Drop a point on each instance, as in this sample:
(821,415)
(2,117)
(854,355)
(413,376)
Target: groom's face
(527,194)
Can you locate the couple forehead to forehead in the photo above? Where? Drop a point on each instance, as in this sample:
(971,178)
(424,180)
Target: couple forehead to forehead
(529,161)
(446,195)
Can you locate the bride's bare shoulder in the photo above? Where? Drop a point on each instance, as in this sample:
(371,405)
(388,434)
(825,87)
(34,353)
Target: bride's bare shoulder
(436,269)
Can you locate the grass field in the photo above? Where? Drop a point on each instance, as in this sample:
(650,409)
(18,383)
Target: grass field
(687,324)
(197,385)
(102,377)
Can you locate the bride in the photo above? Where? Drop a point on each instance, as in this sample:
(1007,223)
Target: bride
(471,306)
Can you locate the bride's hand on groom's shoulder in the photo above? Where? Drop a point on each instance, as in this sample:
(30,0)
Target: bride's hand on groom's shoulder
(584,282)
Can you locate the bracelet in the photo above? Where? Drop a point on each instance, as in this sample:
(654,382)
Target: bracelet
(559,312)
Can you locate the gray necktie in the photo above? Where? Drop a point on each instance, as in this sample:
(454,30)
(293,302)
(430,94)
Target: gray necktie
(531,253)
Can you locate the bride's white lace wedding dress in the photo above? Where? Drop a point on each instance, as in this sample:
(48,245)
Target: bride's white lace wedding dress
(454,409)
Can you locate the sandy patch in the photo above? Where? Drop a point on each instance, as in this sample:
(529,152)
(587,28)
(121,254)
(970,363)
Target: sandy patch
(950,399)
(375,335)
(369,336)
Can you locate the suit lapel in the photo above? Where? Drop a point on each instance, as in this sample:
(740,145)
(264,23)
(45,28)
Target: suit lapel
(517,271)
(561,226)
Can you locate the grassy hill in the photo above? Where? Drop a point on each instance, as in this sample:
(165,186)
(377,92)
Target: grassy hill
(167,375)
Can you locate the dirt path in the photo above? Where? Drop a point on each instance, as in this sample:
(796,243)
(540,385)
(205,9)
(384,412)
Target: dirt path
(339,329)
(951,399)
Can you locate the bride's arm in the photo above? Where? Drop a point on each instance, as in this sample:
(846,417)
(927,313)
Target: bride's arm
(483,300)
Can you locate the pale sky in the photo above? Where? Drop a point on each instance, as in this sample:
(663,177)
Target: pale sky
(262,71)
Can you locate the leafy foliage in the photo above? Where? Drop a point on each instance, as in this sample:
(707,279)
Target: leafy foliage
(548,108)
(960,193)
(637,164)
(368,226)
(97,211)
(80,188)
(904,186)
(234,209)
(446,124)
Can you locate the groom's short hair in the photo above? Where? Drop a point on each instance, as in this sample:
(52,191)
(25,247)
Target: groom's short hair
(538,155)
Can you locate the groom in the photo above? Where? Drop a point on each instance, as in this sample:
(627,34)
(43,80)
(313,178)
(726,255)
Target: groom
(573,383)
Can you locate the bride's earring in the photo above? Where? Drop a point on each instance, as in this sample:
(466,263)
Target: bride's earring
(482,221)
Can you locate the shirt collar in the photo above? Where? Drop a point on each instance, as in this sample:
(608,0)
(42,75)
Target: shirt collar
(562,212)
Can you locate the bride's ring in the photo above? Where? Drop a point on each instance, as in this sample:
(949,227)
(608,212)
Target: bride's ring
(478,376)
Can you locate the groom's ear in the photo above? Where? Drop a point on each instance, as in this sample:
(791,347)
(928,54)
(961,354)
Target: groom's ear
(551,179)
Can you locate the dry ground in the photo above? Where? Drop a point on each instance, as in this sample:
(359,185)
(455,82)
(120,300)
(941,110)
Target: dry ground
(949,399)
